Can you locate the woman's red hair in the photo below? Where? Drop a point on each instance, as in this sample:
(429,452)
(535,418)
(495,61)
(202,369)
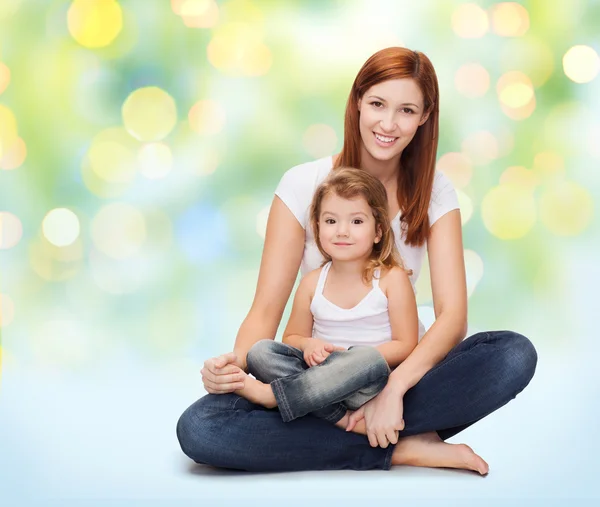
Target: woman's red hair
(417,163)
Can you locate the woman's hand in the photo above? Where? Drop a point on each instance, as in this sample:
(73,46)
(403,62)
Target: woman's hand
(222,374)
(316,351)
(383,417)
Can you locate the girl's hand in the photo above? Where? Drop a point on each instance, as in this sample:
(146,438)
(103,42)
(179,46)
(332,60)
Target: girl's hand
(222,375)
(316,351)
(383,417)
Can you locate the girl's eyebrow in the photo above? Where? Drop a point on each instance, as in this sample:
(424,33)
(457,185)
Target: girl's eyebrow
(383,100)
(355,213)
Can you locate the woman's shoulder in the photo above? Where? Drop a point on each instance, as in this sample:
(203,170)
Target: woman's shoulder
(309,173)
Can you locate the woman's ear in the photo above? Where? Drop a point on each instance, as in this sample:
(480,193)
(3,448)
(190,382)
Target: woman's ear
(424,118)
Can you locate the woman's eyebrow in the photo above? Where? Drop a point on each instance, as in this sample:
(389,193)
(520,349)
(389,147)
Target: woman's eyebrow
(383,100)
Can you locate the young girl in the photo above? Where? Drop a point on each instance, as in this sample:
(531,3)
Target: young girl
(352,320)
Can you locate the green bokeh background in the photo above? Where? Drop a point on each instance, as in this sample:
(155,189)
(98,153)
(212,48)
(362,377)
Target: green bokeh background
(188,287)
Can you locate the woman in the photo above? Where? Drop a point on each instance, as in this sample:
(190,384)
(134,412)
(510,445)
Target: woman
(447,383)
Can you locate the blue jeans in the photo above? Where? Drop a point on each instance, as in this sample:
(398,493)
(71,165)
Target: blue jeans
(345,380)
(478,376)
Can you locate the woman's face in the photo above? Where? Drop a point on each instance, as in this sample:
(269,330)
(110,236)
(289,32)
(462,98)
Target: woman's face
(390,113)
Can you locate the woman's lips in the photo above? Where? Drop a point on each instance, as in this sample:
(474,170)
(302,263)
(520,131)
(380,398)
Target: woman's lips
(382,143)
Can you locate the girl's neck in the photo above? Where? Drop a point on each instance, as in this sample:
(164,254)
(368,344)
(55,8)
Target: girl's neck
(348,269)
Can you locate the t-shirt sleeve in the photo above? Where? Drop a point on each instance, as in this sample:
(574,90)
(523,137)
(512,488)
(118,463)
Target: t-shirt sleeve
(443,198)
(296,189)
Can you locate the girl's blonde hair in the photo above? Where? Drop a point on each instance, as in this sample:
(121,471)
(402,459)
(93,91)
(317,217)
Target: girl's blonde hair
(349,183)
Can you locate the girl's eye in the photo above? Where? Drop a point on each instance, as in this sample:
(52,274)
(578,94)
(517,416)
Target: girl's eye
(357,221)
(329,221)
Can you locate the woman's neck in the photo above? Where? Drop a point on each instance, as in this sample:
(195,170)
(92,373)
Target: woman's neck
(385,171)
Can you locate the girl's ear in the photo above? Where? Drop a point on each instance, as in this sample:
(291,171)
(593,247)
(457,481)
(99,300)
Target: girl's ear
(379,234)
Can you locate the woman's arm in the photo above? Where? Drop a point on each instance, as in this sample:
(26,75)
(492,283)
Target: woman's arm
(404,320)
(449,287)
(282,254)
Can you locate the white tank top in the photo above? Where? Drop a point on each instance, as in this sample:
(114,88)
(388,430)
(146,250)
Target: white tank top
(367,323)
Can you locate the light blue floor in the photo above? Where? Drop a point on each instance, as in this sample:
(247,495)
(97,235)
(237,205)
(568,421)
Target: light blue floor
(107,438)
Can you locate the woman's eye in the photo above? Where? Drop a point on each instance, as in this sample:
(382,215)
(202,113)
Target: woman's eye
(376,103)
(407,110)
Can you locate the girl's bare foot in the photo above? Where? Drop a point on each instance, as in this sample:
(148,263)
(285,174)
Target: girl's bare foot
(257,392)
(360,425)
(429,450)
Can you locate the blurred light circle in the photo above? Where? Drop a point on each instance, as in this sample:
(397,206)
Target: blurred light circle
(516,95)
(581,64)
(472,80)
(473,270)
(237,49)
(8,129)
(261,221)
(118,230)
(530,56)
(11,230)
(466,206)
(566,208)
(508,211)
(515,89)
(521,113)
(54,263)
(207,117)
(457,167)
(13,156)
(470,21)
(4,77)
(319,140)
(520,177)
(176,6)
(199,13)
(480,147)
(149,114)
(61,226)
(155,160)
(112,161)
(510,19)
(548,164)
(7,310)
(95,23)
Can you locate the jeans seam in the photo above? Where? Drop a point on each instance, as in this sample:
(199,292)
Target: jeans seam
(387,462)
(282,402)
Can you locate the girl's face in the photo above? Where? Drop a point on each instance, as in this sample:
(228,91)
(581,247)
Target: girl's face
(390,113)
(347,228)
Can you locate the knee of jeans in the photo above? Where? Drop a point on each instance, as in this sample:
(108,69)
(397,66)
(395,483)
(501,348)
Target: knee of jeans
(371,357)
(521,358)
(193,430)
(258,355)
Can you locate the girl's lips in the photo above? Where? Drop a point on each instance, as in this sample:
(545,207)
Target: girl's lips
(384,144)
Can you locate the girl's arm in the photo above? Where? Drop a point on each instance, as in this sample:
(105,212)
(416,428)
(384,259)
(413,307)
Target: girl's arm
(448,283)
(404,320)
(300,325)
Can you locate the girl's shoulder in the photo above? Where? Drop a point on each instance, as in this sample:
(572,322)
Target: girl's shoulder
(309,281)
(391,276)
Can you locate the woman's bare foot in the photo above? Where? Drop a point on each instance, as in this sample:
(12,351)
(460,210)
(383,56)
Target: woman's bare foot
(257,392)
(429,450)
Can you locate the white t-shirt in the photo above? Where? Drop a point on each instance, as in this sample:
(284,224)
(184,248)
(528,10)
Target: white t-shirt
(296,190)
